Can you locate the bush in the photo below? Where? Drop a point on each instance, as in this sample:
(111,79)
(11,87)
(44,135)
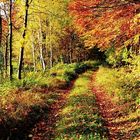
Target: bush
(55,83)
(123,82)
(117,58)
(68,72)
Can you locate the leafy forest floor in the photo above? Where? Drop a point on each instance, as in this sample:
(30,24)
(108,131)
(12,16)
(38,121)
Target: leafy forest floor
(73,106)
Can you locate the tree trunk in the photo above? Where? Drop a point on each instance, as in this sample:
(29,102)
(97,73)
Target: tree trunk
(1,56)
(51,57)
(42,59)
(0,30)
(23,36)
(40,37)
(10,41)
(6,57)
(33,55)
(50,47)
(20,62)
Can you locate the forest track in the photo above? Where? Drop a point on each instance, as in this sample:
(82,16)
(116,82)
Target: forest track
(111,112)
(45,128)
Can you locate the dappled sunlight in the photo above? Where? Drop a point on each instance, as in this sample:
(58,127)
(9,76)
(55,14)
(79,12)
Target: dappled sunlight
(121,115)
(82,118)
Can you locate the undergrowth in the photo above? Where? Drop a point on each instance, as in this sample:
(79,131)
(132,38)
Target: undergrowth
(22,102)
(123,85)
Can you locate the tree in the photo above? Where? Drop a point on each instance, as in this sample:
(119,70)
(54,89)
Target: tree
(6,8)
(0,29)
(1,58)
(46,23)
(106,23)
(10,40)
(23,36)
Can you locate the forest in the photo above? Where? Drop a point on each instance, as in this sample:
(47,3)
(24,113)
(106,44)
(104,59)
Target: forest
(69,69)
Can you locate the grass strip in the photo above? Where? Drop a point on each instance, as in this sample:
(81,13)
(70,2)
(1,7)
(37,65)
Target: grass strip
(79,118)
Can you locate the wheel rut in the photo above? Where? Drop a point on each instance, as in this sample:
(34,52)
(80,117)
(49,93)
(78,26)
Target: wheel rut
(111,112)
(45,128)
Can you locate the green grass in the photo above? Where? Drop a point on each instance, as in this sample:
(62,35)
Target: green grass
(79,119)
(57,77)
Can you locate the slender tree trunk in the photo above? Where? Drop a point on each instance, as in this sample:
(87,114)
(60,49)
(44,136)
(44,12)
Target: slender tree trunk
(23,36)
(40,37)
(5,51)
(42,59)
(33,55)
(1,57)
(51,49)
(0,30)
(10,41)
(6,57)
(20,62)
(51,57)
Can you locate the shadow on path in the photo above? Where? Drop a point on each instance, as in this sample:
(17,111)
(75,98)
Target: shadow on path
(120,127)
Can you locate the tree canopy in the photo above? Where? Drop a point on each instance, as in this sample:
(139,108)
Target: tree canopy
(107,22)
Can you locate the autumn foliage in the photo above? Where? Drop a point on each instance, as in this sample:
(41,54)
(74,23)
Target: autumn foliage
(107,22)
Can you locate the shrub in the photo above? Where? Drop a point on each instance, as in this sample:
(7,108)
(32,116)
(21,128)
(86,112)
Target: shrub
(55,83)
(124,82)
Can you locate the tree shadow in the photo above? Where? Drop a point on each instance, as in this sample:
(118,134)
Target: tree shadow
(19,129)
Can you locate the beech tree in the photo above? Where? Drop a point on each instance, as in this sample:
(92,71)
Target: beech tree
(107,23)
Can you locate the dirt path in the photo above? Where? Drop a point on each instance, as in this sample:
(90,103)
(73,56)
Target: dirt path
(111,112)
(45,128)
